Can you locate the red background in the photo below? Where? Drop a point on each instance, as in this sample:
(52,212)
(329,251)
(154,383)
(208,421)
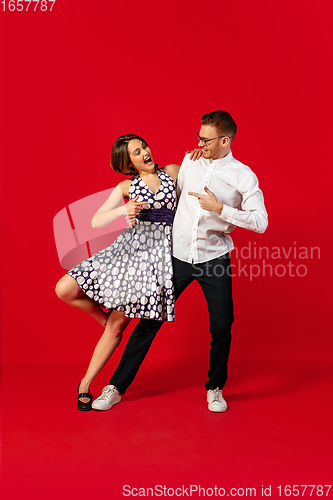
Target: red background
(73,80)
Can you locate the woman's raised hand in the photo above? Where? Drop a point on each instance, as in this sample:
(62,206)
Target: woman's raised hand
(133,208)
(195,154)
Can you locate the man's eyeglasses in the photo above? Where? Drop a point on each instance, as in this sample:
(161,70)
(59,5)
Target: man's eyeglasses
(208,140)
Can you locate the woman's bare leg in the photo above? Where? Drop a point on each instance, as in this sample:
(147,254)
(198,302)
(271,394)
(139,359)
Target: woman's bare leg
(116,324)
(69,291)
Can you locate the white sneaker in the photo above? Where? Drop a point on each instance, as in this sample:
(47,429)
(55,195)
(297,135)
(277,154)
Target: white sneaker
(215,400)
(109,397)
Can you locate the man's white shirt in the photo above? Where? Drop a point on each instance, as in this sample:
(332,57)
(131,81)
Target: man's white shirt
(200,235)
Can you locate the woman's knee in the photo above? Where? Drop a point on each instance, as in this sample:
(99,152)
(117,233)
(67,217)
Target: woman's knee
(59,289)
(116,322)
(116,328)
(65,288)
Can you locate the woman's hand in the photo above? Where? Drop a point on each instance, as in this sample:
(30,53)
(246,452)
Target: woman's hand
(132,209)
(195,154)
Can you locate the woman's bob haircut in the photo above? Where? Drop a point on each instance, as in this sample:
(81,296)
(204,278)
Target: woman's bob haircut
(120,160)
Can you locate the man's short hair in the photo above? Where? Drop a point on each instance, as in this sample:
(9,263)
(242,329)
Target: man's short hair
(223,122)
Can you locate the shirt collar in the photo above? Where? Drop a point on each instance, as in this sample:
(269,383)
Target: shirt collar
(222,161)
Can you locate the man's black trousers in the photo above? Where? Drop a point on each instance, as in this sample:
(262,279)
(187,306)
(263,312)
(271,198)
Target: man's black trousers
(214,277)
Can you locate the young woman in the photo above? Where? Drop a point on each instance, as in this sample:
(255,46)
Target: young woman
(132,278)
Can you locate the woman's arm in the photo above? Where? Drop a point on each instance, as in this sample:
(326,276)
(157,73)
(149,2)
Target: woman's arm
(172,170)
(110,210)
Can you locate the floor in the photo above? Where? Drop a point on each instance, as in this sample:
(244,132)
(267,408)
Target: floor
(276,432)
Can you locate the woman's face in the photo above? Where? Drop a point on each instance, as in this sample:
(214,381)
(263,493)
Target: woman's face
(140,155)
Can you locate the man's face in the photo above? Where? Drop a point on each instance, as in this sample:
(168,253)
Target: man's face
(213,150)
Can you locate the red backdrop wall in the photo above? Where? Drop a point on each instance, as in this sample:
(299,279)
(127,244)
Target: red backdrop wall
(75,78)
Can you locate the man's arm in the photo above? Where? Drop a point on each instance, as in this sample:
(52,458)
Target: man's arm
(253,215)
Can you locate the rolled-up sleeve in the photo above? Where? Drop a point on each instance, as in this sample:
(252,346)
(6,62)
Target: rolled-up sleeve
(253,214)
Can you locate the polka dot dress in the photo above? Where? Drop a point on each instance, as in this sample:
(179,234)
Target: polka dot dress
(134,274)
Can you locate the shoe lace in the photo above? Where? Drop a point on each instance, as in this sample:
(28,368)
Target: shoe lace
(217,395)
(107,391)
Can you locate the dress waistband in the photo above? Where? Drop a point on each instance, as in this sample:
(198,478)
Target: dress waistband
(162,214)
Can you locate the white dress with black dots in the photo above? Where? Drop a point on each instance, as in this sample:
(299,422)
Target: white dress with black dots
(134,274)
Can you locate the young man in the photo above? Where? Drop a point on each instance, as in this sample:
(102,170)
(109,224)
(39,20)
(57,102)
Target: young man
(216,193)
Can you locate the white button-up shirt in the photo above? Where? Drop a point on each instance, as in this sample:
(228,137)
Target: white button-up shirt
(200,235)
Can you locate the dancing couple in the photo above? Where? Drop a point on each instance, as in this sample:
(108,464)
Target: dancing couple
(143,272)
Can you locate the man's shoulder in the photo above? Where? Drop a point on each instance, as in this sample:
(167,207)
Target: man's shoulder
(241,175)
(240,167)
(190,163)
(186,159)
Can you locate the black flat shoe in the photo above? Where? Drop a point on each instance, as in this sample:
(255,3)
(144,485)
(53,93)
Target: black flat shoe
(80,404)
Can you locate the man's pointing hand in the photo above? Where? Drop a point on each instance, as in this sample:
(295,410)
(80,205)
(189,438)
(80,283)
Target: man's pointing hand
(209,201)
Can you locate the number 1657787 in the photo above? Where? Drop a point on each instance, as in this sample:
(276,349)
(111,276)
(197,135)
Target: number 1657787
(25,5)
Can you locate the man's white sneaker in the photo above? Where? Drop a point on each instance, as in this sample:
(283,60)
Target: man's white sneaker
(109,397)
(215,400)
